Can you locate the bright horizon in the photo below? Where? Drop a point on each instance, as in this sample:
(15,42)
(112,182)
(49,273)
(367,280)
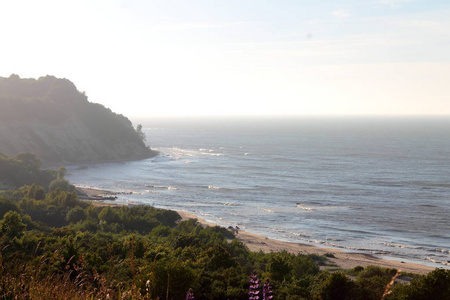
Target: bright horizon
(203,58)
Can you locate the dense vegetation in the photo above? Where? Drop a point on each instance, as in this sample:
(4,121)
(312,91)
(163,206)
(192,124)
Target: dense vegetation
(52,119)
(54,246)
(23,169)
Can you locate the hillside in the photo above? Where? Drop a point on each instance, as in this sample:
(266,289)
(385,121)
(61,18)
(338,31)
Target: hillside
(50,118)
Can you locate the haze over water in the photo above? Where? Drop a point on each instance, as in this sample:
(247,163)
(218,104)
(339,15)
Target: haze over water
(379,185)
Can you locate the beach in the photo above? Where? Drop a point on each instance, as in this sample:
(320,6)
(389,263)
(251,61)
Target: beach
(337,259)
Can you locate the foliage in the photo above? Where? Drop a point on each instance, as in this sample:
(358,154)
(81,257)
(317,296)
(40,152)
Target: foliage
(12,225)
(435,285)
(24,169)
(61,183)
(55,246)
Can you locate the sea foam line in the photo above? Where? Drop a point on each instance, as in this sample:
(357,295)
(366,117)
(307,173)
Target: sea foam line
(266,209)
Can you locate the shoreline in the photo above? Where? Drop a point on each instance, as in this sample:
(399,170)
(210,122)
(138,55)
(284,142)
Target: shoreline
(341,259)
(337,259)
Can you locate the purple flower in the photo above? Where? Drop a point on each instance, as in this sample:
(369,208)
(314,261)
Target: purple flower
(190,295)
(267,291)
(254,287)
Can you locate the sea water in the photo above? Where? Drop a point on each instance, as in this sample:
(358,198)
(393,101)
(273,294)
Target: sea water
(378,185)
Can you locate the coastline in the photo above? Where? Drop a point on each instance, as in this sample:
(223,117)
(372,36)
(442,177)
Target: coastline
(337,259)
(341,259)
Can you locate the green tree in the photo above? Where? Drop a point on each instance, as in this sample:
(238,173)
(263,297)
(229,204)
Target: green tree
(33,191)
(109,215)
(12,225)
(61,183)
(76,214)
(279,267)
(335,286)
(6,206)
(435,285)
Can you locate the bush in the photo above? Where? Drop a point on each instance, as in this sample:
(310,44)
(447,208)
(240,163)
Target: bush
(76,214)
(12,224)
(62,184)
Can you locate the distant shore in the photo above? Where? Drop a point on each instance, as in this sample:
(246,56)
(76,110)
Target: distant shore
(336,257)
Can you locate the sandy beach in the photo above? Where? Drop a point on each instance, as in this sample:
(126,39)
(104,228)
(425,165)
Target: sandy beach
(337,258)
(342,260)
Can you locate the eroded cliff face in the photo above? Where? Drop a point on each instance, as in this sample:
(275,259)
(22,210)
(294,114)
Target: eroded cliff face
(64,130)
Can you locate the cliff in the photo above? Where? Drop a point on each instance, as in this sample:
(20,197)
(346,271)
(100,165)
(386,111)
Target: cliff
(50,118)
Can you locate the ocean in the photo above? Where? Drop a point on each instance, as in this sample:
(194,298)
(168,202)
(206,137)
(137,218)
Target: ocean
(378,185)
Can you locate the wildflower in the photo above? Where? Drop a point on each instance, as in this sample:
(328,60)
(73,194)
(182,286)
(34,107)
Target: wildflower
(190,295)
(254,287)
(267,291)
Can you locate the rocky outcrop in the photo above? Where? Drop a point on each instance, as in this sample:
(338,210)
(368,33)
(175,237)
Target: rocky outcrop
(60,126)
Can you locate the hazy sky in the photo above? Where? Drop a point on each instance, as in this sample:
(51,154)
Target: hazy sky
(207,57)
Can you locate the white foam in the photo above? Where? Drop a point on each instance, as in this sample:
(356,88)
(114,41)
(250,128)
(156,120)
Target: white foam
(266,209)
(212,187)
(305,207)
(229,204)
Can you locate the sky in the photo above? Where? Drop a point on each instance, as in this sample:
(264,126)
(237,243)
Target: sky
(237,57)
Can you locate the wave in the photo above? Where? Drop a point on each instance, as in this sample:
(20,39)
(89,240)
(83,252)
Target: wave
(305,207)
(438,261)
(230,204)
(334,239)
(210,216)
(400,245)
(161,187)
(266,209)
(180,153)
(429,249)
(212,187)
(320,207)
(297,234)
(439,250)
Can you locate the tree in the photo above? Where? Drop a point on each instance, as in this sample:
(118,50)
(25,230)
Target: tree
(141,133)
(63,184)
(33,191)
(109,215)
(435,285)
(61,172)
(12,224)
(29,161)
(6,206)
(76,214)
(279,267)
(336,286)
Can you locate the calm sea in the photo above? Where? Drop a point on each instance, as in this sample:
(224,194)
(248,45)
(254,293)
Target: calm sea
(376,185)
